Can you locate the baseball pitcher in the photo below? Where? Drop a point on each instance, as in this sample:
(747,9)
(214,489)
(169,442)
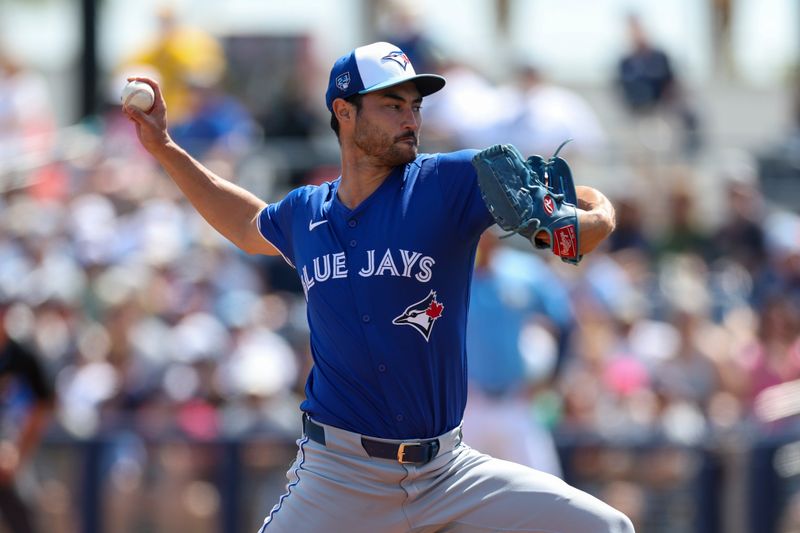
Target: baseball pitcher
(385,256)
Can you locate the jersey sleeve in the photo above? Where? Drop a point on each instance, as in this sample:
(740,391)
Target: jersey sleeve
(461,193)
(275,225)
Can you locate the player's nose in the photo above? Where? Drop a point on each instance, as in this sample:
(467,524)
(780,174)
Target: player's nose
(411,119)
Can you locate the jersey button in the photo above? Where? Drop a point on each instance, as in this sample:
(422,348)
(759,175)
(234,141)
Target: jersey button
(381,368)
(365,318)
(352,223)
(353,243)
(399,418)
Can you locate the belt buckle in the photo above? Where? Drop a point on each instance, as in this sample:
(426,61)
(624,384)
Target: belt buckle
(401,451)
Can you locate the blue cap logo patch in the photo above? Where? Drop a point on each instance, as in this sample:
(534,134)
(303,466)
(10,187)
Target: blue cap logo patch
(343,81)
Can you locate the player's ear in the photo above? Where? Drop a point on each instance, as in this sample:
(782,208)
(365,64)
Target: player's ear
(342,109)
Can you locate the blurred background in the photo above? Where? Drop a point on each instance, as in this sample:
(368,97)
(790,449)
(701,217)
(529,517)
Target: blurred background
(662,374)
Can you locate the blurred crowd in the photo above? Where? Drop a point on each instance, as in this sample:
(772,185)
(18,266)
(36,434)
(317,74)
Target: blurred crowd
(682,327)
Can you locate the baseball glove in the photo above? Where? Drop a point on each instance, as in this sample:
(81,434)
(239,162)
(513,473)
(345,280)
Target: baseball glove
(531,197)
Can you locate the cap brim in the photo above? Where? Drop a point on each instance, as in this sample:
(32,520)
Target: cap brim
(426,84)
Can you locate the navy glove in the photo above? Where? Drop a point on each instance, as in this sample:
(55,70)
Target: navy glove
(530,197)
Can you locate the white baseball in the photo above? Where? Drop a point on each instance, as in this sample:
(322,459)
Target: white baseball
(138,94)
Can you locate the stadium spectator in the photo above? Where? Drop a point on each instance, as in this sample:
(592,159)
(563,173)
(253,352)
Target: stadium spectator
(653,93)
(179,54)
(26,397)
(518,324)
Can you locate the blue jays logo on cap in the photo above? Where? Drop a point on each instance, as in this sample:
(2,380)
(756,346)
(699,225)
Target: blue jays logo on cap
(372,68)
(421,315)
(398,57)
(343,81)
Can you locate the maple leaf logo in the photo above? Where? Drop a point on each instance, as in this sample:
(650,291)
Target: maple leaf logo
(434,309)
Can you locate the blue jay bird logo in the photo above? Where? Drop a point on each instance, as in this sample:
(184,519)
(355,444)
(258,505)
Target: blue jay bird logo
(398,57)
(421,315)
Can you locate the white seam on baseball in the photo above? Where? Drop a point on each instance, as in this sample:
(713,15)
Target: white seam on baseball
(137,92)
(131,95)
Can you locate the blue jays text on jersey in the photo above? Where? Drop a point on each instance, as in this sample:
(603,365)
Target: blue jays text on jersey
(387,265)
(387,286)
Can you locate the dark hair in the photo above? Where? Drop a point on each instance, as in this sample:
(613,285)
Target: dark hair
(354,99)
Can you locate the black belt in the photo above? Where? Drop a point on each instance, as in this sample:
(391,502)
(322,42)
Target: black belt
(415,452)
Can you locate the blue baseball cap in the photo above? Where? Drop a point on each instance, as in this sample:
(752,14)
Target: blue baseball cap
(374,67)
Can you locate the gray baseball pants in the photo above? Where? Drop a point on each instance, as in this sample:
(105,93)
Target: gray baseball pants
(338,487)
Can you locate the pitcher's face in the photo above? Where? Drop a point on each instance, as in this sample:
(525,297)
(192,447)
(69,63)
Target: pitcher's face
(388,124)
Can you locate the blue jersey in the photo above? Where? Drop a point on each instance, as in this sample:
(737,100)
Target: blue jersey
(387,286)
